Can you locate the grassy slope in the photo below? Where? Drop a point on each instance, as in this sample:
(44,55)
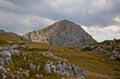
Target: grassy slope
(9,37)
(88,60)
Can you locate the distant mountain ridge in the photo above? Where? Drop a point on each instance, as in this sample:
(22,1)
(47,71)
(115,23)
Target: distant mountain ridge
(63,33)
(11,37)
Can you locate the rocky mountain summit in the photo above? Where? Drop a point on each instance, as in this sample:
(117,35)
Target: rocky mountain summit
(63,33)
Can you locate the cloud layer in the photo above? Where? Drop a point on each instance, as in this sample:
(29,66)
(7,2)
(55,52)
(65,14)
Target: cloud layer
(103,33)
(22,16)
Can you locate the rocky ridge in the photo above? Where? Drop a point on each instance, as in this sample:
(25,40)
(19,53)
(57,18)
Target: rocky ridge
(110,47)
(63,33)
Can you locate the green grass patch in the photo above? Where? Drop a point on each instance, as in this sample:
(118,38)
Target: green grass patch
(88,48)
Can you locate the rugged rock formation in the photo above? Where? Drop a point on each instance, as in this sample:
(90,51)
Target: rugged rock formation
(62,67)
(63,33)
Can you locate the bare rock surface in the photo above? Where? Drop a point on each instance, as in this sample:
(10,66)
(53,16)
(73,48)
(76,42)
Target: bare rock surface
(63,33)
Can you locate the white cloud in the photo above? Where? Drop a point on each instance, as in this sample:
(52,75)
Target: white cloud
(67,6)
(78,7)
(100,5)
(9,5)
(23,23)
(117,19)
(32,20)
(103,33)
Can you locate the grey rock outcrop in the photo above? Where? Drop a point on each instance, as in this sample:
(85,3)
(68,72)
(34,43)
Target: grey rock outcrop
(6,55)
(63,33)
(3,72)
(108,47)
(47,69)
(63,68)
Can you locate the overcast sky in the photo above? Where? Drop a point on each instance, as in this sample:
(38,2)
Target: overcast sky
(100,18)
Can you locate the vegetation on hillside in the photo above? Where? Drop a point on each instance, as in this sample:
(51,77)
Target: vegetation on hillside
(95,64)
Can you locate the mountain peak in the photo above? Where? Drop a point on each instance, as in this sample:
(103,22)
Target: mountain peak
(65,21)
(64,24)
(63,33)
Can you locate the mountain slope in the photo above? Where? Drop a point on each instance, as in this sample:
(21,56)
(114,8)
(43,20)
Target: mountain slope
(11,37)
(63,33)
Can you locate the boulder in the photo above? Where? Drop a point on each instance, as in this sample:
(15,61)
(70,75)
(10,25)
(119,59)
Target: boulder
(24,56)
(15,52)
(32,66)
(74,69)
(8,61)
(47,68)
(38,68)
(37,76)
(53,68)
(48,53)
(3,70)
(59,67)
(82,72)
(5,54)
(1,61)
(27,74)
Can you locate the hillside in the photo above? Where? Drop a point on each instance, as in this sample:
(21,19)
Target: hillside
(10,37)
(109,47)
(37,61)
(61,33)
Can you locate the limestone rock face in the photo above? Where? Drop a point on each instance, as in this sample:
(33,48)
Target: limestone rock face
(63,33)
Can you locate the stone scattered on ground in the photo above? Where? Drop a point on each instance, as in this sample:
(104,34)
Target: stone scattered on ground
(112,48)
(60,66)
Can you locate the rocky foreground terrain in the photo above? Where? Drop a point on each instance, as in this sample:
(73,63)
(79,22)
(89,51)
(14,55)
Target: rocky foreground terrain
(61,33)
(110,47)
(15,64)
(42,61)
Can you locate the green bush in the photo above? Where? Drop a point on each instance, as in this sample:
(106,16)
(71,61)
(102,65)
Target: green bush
(88,48)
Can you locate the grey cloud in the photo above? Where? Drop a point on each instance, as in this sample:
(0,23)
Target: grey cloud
(90,13)
(22,23)
(103,33)
(95,12)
